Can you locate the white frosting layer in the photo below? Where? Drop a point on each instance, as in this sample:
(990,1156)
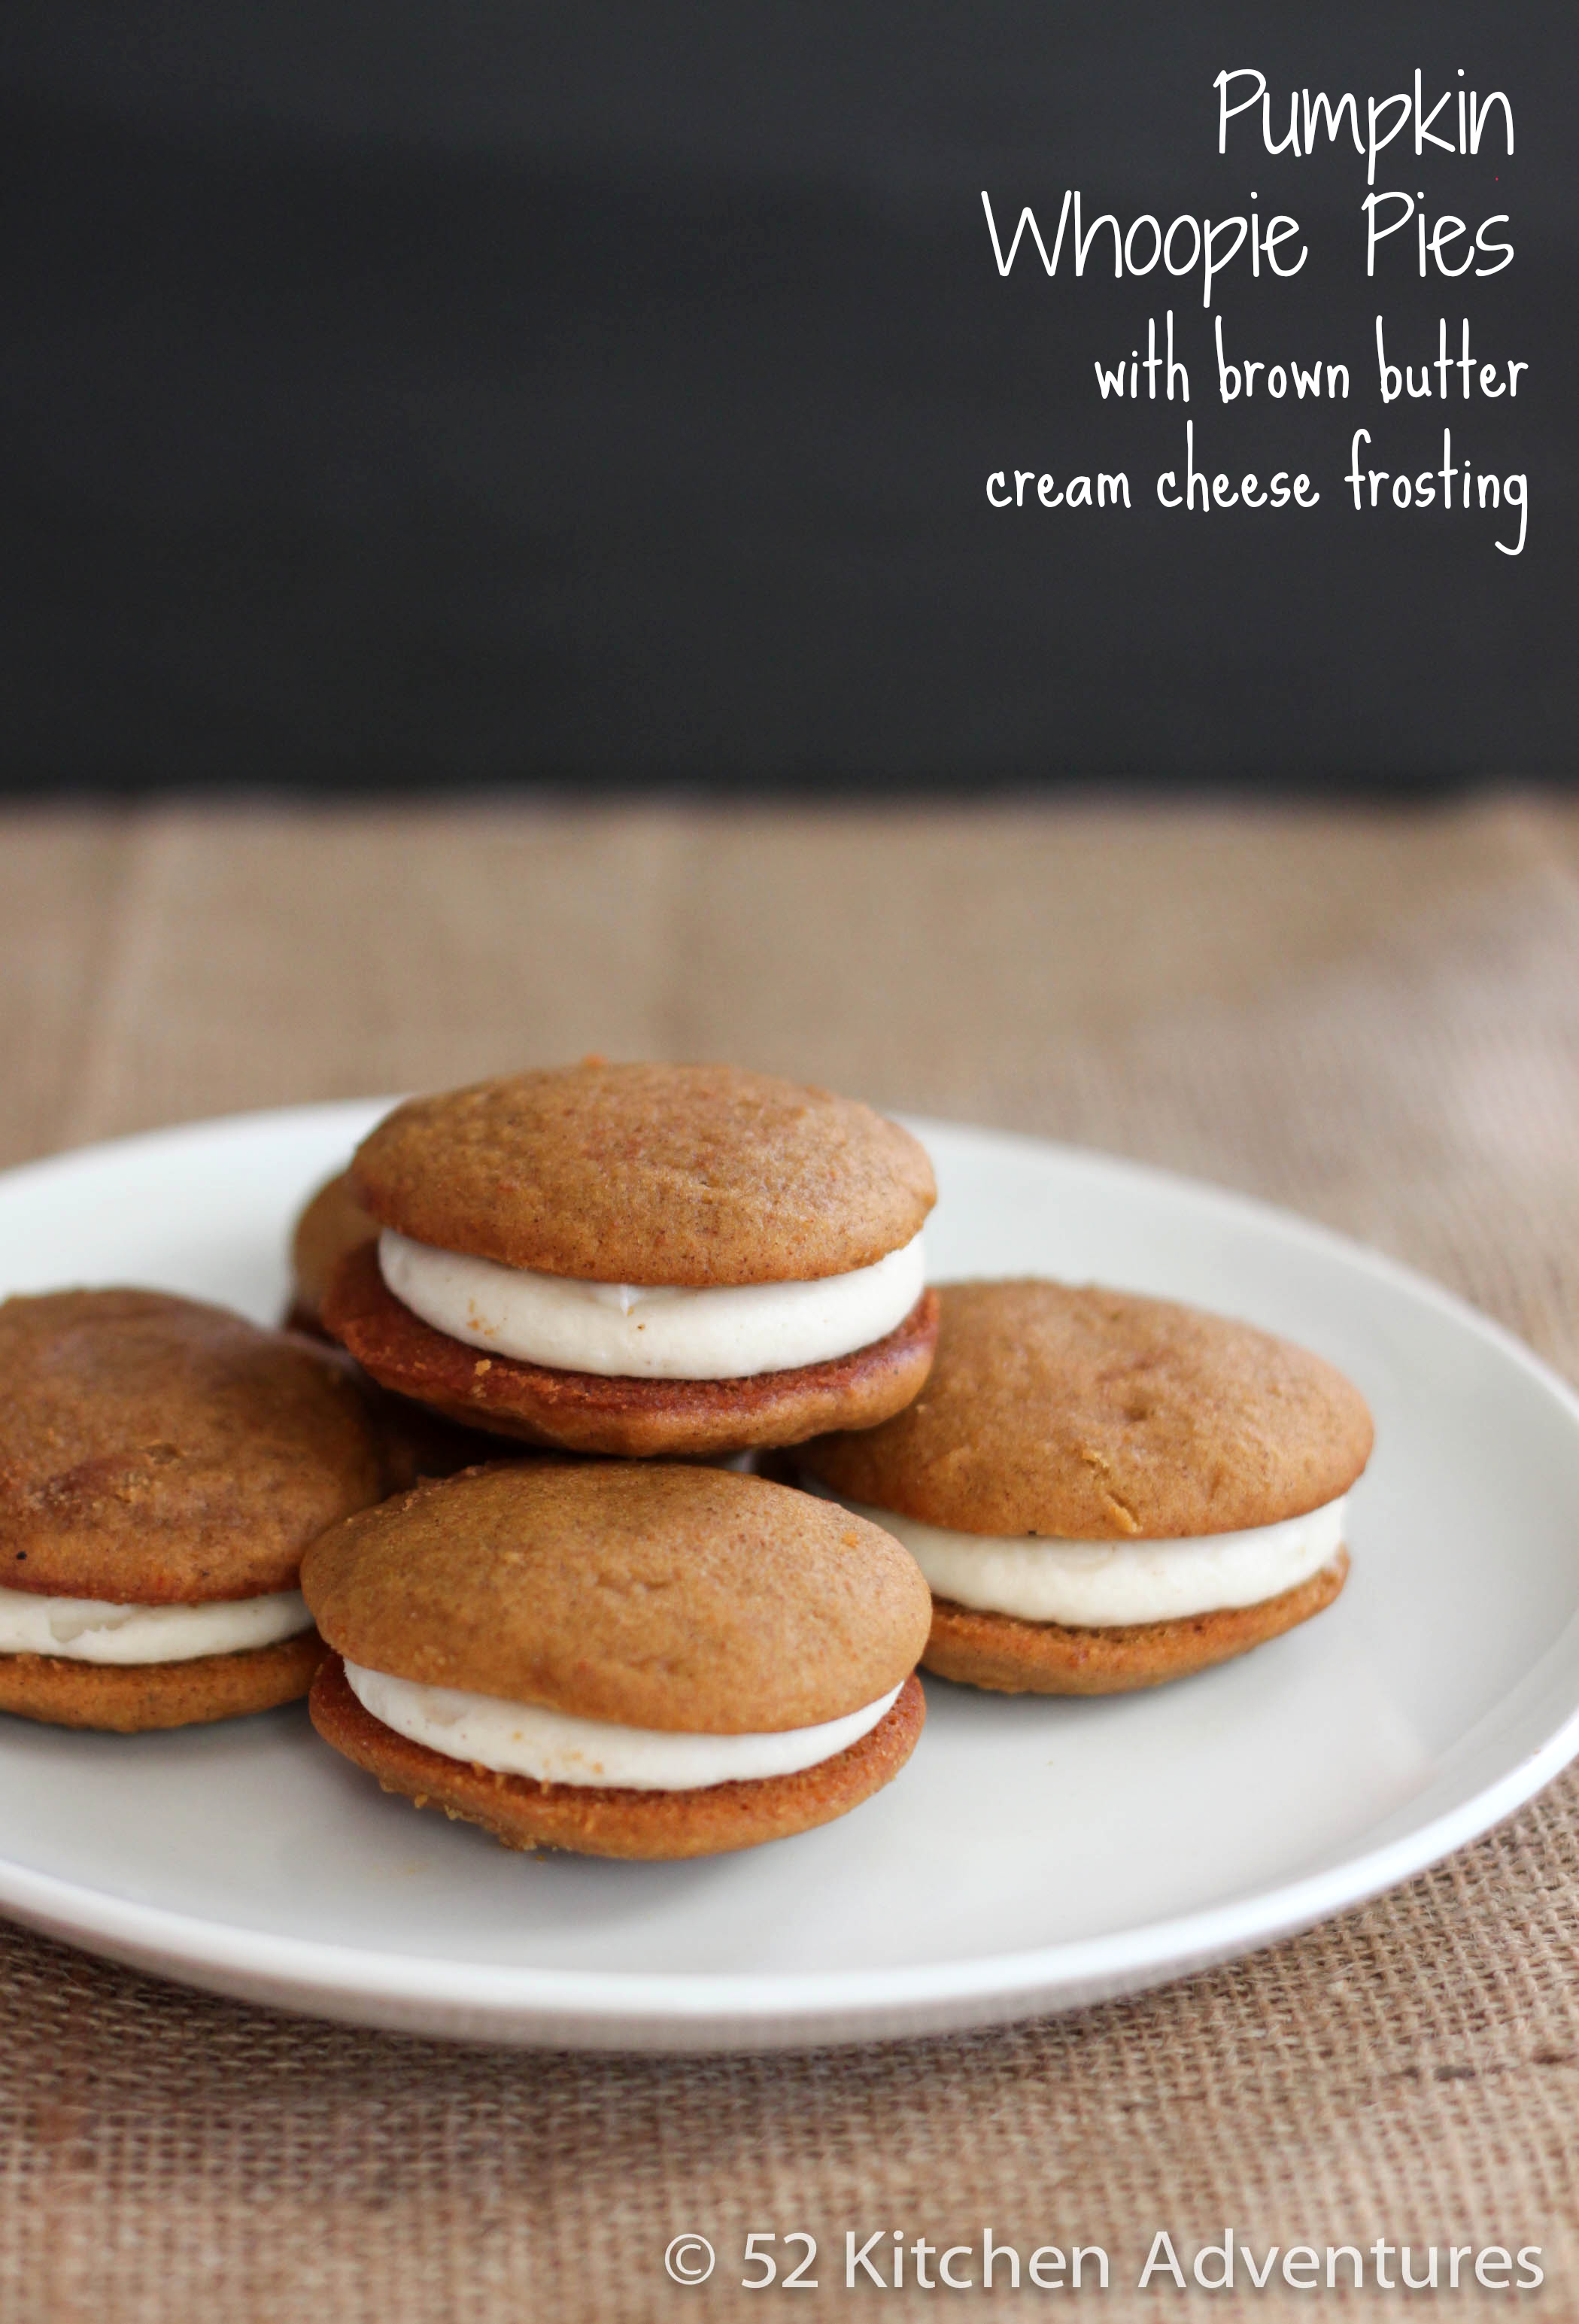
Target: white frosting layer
(642,1332)
(524,1739)
(92,1630)
(1098,1584)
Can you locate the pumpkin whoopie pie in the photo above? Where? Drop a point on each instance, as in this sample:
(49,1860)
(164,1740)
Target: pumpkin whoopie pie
(332,1223)
(632,1659)
(163,1466)
(642,1258)
(418,1443)
(1106,1492)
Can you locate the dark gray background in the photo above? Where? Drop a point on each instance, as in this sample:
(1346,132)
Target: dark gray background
(603,397)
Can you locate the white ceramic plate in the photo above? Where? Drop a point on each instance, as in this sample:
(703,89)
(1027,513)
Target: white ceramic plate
(1033,1855)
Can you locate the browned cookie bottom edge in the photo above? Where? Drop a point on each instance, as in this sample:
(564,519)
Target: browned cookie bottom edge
(1009,1656)
(587,1411)
(589,1821)
(136,1697)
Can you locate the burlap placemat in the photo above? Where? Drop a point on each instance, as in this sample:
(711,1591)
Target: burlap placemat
(1370,1017)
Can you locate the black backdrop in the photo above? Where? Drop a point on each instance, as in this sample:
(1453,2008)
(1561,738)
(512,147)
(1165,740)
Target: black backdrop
(604,396)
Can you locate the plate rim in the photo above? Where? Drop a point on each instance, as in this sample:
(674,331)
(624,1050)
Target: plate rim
(658,2010)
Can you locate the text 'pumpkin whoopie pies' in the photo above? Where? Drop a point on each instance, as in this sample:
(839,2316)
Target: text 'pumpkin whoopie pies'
(163,1466)
(1106,1492)
(620,1659)
(643,1259)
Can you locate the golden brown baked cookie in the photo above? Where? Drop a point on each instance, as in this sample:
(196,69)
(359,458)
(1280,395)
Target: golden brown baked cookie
(694,1175)
(592,1821)
(1093,1415)
(1013,1657)
(133,1697)
(589,1412)
(695,1600)
(155,1452)
(1088,1416)
(333,1223)
(650,1597)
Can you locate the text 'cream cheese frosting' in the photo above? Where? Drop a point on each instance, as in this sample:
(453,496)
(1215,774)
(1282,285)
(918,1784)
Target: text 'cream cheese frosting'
(1105,1584)
(555,1747)
(633,1331)
(93,1630)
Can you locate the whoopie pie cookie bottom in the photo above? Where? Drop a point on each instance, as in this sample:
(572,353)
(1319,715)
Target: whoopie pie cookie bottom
(1009,1656)
(135,1697)
(589,1412)
(589,1821)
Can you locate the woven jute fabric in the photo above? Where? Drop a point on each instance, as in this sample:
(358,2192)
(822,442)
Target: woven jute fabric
(1372,1016)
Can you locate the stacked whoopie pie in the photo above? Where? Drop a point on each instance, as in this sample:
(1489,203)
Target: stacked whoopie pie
(1106,1491)
(640,1260)
(620,1658)
(164,1464)
(619,1654)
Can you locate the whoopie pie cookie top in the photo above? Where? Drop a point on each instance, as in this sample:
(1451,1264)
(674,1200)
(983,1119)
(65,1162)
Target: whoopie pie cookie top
(692,1175)
(1087,1414)
(331,1223)
(155,1451)
(682,1599)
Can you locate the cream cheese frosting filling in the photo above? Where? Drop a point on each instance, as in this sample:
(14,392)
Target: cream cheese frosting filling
(1095,1585)
(93,1630)
(648,1331)
(555,1747)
